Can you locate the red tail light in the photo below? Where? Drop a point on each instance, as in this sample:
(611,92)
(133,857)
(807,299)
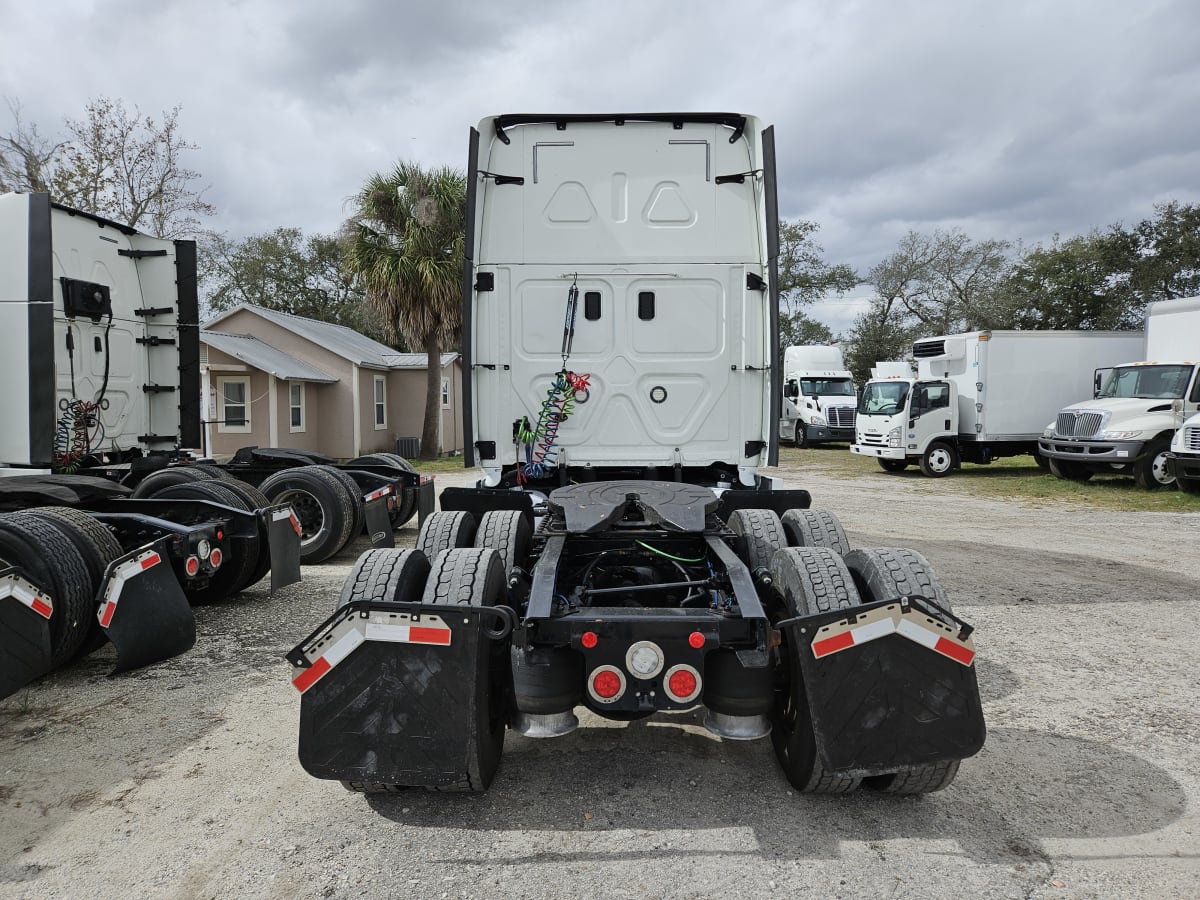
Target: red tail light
(606,684)
(682,683)
(191,566)
(215,558)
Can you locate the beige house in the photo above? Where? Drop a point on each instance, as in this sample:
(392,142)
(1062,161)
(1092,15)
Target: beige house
(271,379)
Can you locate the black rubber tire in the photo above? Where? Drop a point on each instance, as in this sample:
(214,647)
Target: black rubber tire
(54,564)
(939,460)
(759,534)
(356,498)
(406,505)
(815,528)
(255,499)
(161,478)
(386,574)
(1043,462)
(800,439)
(881,574)
(445,530)
(810,580)
(892,465)
(1069,470)
(234,574)
(1151,472)
(213,471)
(475,577)
(509,533)
(96,544)
(321,505)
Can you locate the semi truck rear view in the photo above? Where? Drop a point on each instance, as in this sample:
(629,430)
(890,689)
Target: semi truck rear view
(623,553)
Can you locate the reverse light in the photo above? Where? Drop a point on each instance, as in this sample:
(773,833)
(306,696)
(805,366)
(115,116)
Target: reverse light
(203,549)
(606,684)
(644,659)
(682,683)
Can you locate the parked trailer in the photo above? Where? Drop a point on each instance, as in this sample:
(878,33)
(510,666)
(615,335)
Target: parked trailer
(1136,408)
(979,396)
(622,551)
(100,362)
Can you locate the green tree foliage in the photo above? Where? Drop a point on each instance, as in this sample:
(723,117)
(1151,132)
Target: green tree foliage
(286,271)
(876,335)
(26,158)
(405,244)
(797,329)
(1167,261)
(804,276)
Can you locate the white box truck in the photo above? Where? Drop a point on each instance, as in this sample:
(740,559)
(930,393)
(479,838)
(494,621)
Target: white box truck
(1127,426)
(979,396)
(819,396)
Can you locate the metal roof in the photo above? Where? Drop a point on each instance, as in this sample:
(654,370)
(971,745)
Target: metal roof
(417,360)
(345,342)
(263,356)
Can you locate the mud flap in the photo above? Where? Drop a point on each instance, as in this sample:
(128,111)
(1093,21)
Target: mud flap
(143,609)
(891,685)
(425,498)
(25,612)
(379,524)
(388,691)
(283,540)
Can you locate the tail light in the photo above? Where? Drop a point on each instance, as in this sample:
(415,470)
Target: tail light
(215,558)
(682,683)
(192,566)
(606,684)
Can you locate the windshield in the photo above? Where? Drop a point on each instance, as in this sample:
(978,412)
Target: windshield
(1146,382)
(827,387)
(883,398)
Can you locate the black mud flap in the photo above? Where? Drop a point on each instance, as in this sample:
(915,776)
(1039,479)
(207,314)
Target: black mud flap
(890,686)
(426,498)
(283,539)
(25,612)
(143,609)
(388,691)
(379,524)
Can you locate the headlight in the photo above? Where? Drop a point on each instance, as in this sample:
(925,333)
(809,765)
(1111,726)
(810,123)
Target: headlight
(894,437)
(1049,432)
(818,420)
(1119,435)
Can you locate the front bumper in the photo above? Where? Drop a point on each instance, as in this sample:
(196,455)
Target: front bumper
(878,452)
(1184,467)
(817,434)
(1100,452)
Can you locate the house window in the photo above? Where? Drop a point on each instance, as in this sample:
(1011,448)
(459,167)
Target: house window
(380,403)
(296,405)
(445,393)
(233,414)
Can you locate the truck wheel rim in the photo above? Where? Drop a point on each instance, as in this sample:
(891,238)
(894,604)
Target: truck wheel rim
(308,511)
(939,460)
(1159,470)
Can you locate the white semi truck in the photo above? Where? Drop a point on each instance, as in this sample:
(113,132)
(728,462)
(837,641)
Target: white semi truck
(979,396)
(1127,426)
(819,396)
(622,551)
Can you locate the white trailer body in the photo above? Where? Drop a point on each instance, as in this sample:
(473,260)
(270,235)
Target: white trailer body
(819,396)
(1127,425)
(656,230)
(979,396)
(892,368)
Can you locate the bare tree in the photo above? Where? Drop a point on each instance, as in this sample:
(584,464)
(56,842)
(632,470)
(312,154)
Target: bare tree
(26,158)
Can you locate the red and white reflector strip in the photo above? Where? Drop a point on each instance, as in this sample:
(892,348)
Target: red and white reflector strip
(24,592)
(286,513)
(116,583)
(375,495)
(892,619)
(344,637)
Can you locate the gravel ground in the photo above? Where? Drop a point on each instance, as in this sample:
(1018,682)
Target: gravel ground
(181,780)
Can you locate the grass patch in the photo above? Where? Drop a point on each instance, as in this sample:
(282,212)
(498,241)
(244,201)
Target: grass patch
(1012,478)
(441,465)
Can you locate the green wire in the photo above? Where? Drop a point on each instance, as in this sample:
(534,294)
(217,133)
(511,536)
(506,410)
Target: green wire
(668,555)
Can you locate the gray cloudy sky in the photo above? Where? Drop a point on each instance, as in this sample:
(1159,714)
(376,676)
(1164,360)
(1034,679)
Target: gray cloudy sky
(1012,119)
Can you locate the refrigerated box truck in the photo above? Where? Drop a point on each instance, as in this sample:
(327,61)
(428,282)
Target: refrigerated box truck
(980,396)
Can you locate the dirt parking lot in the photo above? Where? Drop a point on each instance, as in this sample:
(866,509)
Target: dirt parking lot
(181,780)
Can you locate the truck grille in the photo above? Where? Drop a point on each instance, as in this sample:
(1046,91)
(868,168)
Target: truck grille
(840,416)
(1191,439)
(871,439)
(1078,424)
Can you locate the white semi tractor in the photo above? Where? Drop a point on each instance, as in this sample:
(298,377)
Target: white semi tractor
(1127,426)
(979,396)
(819,396)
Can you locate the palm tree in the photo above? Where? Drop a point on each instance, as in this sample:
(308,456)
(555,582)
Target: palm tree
(405,243)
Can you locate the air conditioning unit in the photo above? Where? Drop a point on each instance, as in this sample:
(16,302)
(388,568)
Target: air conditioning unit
(408,447)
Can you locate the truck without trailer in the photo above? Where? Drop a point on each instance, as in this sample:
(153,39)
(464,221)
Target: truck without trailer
(622,551)
(1183,460)
(109,526)
(978,396)
(819,396)
(1136,408)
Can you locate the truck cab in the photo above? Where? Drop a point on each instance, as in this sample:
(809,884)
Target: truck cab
(1183,460)
(902,419)
(819,396)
